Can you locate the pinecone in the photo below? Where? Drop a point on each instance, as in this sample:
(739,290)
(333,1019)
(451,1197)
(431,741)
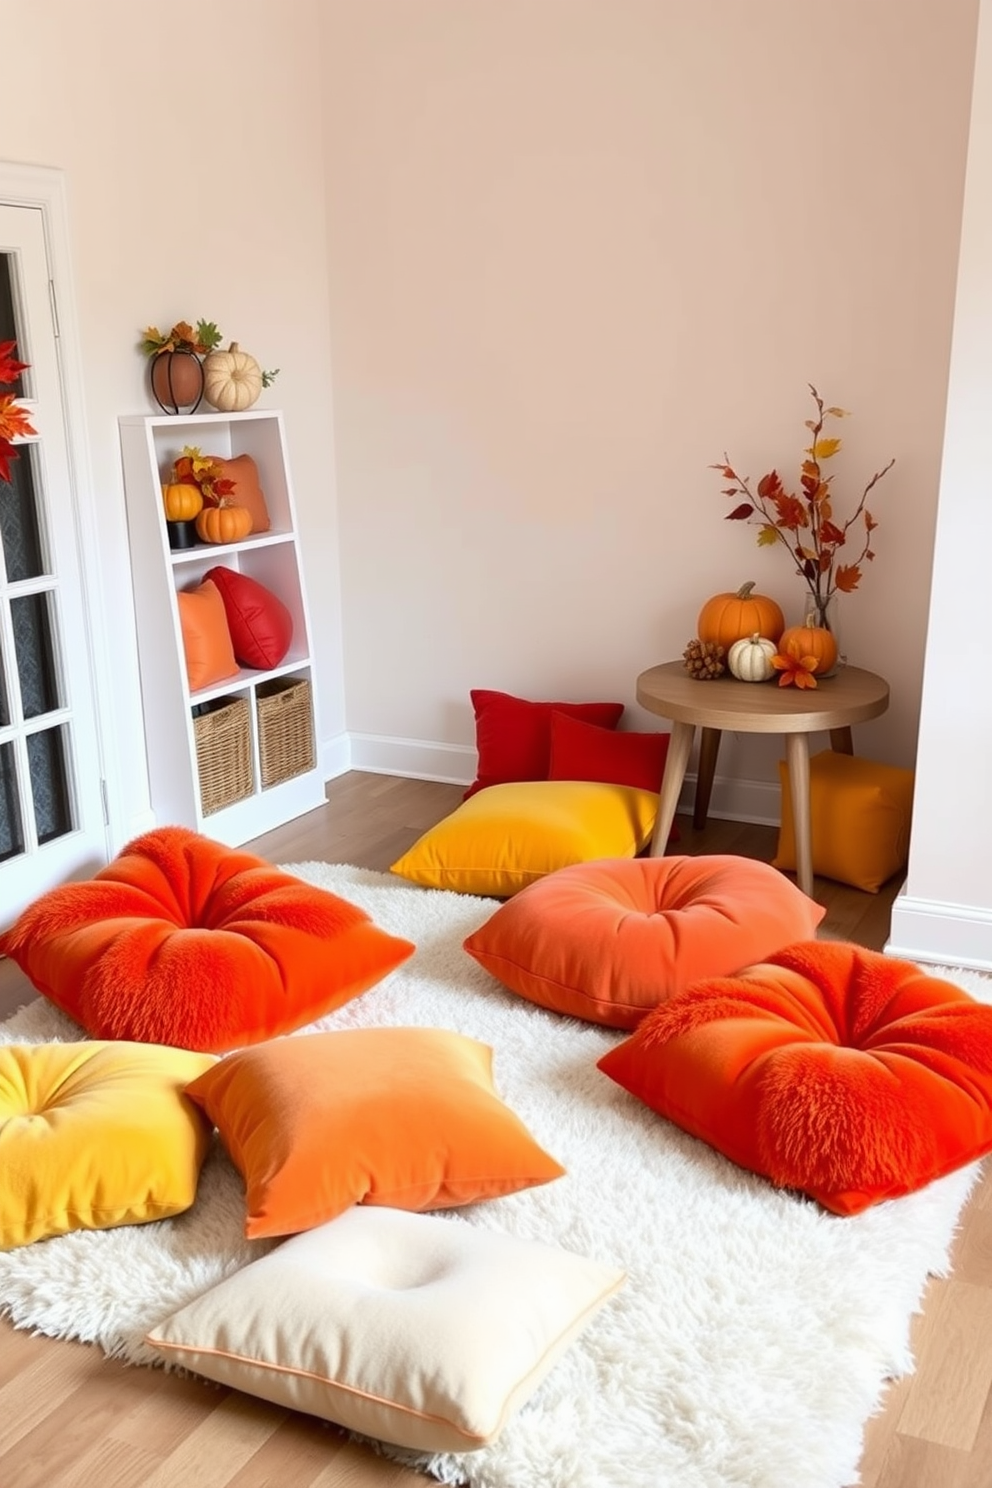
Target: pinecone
(703,660)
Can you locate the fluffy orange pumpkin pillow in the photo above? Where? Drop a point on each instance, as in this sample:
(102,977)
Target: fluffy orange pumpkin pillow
(848,1075)
(183,941)
(404,1117)
(609,940)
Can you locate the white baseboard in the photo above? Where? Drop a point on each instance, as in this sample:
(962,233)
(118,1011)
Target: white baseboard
(416,759)
(420,759)
(940,934)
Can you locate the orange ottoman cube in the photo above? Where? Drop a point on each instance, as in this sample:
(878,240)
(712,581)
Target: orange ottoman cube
(860,814)
(608,940)
(848,1075)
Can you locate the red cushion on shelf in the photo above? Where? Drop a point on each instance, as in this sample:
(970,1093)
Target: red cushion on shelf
(261,626)
(513,735)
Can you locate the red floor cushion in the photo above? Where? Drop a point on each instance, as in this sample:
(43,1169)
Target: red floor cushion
(181,940)
(608,940)
(843,1073)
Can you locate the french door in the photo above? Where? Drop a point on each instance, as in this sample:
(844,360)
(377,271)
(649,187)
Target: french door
(52,816)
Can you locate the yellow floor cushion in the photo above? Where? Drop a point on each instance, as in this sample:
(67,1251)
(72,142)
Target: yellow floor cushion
(96,1134)
(860,814)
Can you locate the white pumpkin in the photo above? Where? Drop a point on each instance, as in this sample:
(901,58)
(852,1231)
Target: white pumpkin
(232,380)
(750,660)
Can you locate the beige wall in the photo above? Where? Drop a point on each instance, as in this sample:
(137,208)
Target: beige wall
(190,139)
(577,250)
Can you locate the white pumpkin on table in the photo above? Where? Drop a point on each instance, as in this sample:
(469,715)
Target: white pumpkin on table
(750,659)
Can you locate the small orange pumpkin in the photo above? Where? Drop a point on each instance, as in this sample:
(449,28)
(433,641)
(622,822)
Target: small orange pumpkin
(727,618)
(182,501)
(223,523)
(810,640)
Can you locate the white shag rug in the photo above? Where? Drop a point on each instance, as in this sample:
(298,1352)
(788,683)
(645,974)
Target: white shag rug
(755,1332)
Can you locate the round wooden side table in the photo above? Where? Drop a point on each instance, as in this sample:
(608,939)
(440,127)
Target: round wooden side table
(852,696)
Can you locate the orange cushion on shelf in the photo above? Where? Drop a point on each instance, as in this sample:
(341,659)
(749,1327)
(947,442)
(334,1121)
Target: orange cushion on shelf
(513,735)
(608,940)
(860,814)
(843,1073)
(247,492)
(207,644)
(404,1117)
(183,941)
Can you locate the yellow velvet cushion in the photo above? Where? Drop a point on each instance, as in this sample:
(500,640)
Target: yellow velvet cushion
(94,1135)
(860,814)
(508,836)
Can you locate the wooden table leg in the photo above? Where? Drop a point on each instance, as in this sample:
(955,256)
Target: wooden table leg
(797,758)
(842,740)
(677,759)
(709,748)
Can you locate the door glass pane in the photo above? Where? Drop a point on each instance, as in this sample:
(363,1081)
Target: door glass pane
(11,832)
(19,534)
(49,783)
(8,326)
(31,620)
(4,704)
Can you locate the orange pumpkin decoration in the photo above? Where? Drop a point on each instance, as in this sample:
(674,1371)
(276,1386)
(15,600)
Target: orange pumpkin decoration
(223,523)
(727,618)
(811,640)
(182,501)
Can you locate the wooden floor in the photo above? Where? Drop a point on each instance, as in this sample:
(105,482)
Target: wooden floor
(71,1419)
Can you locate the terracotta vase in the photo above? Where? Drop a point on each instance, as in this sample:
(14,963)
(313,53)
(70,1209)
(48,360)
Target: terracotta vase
(177,381)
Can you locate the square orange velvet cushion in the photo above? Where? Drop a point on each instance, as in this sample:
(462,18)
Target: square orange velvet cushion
(608,940)
(183,941)
(404,1117)
(848,1075)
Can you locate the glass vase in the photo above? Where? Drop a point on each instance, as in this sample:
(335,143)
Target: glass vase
(825,614)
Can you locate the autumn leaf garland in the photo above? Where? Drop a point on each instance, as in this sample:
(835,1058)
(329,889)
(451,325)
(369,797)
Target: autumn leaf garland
(14,423)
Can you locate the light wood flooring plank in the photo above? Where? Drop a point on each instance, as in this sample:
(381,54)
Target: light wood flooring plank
(952,1383)
(218,1448)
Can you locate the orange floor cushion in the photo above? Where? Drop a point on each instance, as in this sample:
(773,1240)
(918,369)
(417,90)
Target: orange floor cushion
(181,940)
(842,1073)
(608,940)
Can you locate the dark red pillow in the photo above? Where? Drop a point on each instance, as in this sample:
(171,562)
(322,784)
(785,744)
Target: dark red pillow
(582,751)
(513,735)
(260,624)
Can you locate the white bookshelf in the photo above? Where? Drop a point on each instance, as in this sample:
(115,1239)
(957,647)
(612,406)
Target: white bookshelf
(149,445)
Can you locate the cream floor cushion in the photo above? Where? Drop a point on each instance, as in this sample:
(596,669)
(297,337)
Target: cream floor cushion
(410,1328)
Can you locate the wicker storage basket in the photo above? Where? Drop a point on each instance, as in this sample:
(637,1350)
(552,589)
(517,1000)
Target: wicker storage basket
(285,729)
(223,753)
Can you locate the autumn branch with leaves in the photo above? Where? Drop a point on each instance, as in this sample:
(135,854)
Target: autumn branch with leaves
(14,422)
(806,525)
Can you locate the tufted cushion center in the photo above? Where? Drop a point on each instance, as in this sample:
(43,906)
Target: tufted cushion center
(609,940)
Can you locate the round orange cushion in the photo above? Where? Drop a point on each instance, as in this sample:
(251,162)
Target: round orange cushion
(843,1073)
(607,941)
(181,940)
